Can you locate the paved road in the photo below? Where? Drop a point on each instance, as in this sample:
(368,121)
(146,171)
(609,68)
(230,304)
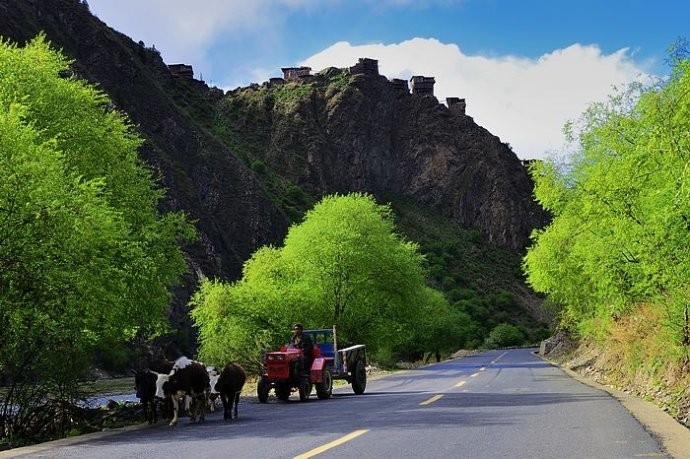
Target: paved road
(494,405)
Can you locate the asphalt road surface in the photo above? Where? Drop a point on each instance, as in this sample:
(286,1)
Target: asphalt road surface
(505,403)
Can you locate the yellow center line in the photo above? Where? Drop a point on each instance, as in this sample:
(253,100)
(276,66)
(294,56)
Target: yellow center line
(432,399)
(332,444)
(474,375)
(460,384)
(482,369)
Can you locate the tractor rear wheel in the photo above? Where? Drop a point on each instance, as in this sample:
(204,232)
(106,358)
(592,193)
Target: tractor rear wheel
(359,378)
(325,387)
(262,389)
(304,388)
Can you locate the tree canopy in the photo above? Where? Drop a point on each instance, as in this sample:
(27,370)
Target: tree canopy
(343,265)
(621,206)
(85,256)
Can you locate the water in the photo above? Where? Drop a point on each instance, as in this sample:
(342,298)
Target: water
(95,402)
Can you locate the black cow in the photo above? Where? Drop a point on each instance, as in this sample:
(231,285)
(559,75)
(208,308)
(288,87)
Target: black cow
(229,385)
(187,378)
(164,366)
(145,385)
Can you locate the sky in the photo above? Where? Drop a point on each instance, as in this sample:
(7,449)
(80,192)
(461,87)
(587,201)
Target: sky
(525,67)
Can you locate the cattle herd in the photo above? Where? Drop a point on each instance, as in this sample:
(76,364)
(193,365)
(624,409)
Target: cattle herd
(192,383)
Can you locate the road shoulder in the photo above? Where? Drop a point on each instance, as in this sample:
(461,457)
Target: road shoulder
(673,437)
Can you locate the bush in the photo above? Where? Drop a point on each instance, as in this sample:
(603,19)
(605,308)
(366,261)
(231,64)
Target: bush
(504,335)
(383,357)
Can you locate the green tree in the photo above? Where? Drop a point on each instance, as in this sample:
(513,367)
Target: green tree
(504,335)
(621,210)
(85,256)
(343,265)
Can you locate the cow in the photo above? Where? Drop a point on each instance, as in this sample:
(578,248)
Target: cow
(145,385)
(187,378)
(213,375)
(229,385)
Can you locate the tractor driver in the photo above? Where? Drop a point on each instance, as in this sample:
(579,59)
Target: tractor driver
(305,343)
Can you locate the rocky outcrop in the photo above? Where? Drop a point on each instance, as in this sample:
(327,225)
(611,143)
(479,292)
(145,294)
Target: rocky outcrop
(360,132)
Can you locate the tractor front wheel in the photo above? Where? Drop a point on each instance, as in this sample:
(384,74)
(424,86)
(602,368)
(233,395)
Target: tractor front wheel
(359,378)
(325,387)
(262,389)
(304,388)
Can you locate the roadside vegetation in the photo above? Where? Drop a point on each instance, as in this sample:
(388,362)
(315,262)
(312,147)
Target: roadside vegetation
(86,259)
(615,259)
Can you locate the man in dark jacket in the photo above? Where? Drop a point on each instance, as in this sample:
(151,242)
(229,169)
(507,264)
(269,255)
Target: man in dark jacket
(305,343)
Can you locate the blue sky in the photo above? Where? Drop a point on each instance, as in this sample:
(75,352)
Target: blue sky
(525,67)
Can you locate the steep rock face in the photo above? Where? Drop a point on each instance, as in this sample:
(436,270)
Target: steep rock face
(339,133)
(203,177)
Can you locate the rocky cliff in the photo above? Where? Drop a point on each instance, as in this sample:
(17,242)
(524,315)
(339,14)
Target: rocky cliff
(340,131)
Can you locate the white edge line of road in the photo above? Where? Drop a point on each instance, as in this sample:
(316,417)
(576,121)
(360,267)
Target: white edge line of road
(673,436)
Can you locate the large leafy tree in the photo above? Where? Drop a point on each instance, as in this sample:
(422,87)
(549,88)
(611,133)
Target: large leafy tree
(85,256)
(343,265)
(621,206)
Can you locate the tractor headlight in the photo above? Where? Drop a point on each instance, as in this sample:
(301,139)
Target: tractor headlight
(281,358)
(271,358)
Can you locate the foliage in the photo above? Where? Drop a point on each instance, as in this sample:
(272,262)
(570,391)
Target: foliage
(621,210)
(288,96)
(339,80)
(480,281)
(85,257)
(504,335)
(342,265)
(243,122)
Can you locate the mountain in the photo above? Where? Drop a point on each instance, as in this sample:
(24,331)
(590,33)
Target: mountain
(245,164)
(353,129)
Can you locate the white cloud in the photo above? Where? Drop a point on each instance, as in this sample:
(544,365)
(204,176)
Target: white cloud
(523,101)
(184,30)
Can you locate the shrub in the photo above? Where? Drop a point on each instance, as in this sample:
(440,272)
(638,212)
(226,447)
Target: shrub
(504,335)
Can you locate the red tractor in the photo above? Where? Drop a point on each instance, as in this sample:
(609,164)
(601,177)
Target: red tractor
(284,374)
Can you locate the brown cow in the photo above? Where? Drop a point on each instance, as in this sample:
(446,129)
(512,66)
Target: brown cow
(229,385)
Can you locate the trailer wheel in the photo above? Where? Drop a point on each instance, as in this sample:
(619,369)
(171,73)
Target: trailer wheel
(304,388)
(262,389)
(359,378)
(325,387)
